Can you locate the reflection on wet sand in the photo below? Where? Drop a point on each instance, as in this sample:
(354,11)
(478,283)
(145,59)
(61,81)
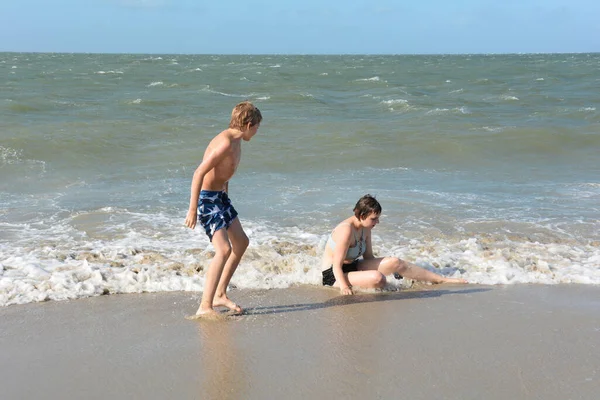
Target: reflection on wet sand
(224,366)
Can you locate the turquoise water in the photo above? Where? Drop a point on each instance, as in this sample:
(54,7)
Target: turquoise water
(486,166)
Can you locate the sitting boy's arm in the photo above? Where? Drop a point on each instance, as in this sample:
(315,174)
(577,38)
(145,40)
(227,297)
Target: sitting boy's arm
(368,254)
(342,240)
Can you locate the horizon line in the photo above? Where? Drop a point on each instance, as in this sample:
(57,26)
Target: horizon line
(297,54)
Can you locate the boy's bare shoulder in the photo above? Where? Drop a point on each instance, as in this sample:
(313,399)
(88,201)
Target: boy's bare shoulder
(223,139)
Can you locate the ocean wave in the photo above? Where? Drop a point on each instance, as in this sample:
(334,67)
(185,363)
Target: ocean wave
(62,264)
(241,96)
(442,111)
(494,129)
(394,102)
(9,156)
(21,108)
(400,105)
(372,79)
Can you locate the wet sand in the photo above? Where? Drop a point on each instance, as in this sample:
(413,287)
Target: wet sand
(439,342)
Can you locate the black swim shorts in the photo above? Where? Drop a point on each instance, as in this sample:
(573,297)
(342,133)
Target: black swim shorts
(329,278)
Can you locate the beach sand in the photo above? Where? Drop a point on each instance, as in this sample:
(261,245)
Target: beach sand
(436,342)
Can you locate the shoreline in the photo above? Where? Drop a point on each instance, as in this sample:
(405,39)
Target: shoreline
(443,341)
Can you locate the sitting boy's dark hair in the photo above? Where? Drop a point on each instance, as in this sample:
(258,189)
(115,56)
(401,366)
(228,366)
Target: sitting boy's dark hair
(366,206)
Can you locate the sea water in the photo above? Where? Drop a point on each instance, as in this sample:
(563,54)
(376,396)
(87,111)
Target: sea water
(486,166)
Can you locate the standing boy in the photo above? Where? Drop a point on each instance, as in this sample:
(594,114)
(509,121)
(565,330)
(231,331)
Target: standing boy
(209,198)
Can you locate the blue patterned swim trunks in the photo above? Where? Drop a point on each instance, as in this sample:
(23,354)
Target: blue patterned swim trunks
(215,211)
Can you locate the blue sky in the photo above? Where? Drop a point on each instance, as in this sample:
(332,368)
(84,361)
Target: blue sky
(300,27)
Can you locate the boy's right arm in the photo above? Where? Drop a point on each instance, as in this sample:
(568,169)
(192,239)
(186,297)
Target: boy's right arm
(192,214)
(210,161)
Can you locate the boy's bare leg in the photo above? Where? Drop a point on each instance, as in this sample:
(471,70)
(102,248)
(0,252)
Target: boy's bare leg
(239,244)
(222,247)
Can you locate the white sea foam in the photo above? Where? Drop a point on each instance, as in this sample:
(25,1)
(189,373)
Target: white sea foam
(244,96)
(151,253)
(394,102)
(397,104)
(508,97)
(8,155)
(442,111)
(372,79)
(493,128)
(157,83)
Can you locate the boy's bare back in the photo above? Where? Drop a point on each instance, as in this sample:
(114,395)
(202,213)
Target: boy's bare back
(227,150)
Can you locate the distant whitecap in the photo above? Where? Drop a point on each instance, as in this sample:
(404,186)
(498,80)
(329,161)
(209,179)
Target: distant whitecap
(372,79)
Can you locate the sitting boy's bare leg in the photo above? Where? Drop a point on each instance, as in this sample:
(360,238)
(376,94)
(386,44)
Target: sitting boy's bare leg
(391,265)
(222,247)
(412,271)
(239,244)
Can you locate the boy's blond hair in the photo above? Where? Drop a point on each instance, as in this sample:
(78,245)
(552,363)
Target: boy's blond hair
(243,114)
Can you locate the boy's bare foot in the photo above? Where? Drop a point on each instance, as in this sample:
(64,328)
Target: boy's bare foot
(211,315)
(224,301)
(454,280)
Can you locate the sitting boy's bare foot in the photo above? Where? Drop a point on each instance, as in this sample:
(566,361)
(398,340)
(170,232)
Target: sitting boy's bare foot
(224,301)
(210,314)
